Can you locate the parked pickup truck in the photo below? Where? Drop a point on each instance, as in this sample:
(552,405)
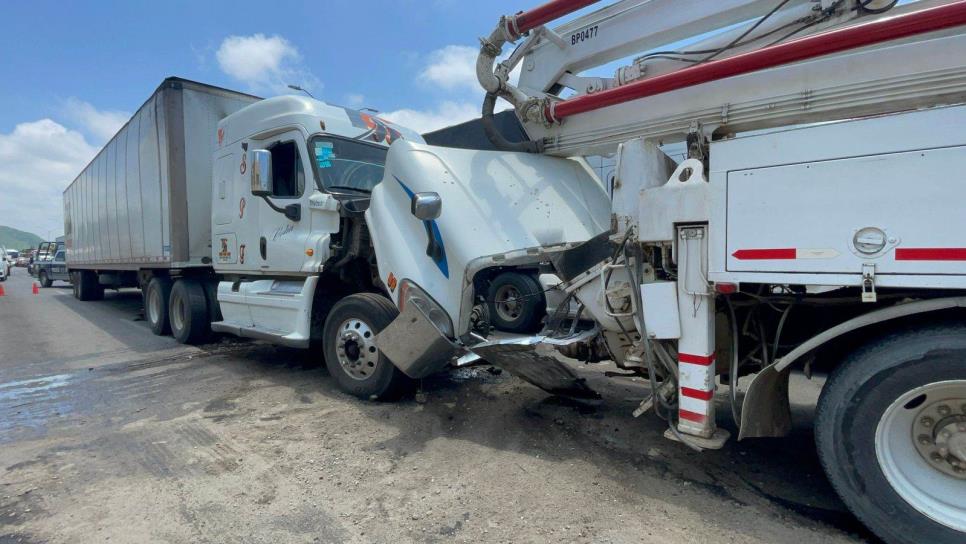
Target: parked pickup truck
(51,270)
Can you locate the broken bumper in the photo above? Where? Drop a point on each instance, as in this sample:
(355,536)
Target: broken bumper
(418,348)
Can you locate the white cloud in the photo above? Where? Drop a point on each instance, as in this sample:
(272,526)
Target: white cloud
(38,160)
(445,114)
(101,124)
(450,72)
(452,68)
(354,100)
(264,63)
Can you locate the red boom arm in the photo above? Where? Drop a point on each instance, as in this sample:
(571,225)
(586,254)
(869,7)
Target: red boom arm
(892,28)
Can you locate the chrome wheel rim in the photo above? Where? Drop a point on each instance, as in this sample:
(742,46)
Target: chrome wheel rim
(154,305)
(356,349)
(920,445)
(508,303)
(177,313)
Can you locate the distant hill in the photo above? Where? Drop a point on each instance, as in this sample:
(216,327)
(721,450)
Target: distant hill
(12,238)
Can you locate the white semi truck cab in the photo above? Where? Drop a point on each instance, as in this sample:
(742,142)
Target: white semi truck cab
(309,225)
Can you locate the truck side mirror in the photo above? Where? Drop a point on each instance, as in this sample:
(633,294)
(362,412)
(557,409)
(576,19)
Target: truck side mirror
(261,172)
(426,206)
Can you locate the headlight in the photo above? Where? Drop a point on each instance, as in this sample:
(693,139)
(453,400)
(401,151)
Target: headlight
(410,293)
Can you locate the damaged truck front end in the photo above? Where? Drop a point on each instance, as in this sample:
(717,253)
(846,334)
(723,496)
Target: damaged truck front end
(447,223)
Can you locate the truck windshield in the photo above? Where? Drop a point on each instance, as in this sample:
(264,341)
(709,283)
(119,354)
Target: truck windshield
(351,165)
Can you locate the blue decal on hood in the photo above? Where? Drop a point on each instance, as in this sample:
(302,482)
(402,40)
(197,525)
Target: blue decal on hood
(433,229)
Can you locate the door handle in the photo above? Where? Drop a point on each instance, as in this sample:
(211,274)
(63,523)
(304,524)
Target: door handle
(263,247)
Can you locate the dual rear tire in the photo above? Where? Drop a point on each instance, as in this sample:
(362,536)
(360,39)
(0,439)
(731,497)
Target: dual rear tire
(86,286)
(180,308)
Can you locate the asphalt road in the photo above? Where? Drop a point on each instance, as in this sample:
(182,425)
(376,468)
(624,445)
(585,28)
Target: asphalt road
(108,433)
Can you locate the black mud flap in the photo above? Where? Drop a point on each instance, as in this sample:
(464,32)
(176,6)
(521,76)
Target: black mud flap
(539,365)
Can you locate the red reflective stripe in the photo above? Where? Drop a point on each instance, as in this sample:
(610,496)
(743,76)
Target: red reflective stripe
(691,416)
(550,11)
(704,360)
(931,254)
(697,393)
(824,43)
(758,254)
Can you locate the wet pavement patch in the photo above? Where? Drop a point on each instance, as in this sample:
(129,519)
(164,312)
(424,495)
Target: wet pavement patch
(29,404)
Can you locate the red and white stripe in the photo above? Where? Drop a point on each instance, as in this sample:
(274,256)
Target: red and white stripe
(695,387)
(796,253)
(931,254)
(784,254)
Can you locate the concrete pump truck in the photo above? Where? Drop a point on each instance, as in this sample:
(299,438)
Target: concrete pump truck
(815,223)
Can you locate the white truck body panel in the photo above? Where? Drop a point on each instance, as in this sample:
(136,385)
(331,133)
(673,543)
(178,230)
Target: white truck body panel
(494,204)
(239,220)
(145,199)
(252,239)
(790,204)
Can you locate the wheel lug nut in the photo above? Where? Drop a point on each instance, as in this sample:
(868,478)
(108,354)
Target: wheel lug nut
(926,422)
(944,410)
(925,440)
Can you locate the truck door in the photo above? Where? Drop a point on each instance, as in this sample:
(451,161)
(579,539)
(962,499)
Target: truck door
(282,242)
(58,269)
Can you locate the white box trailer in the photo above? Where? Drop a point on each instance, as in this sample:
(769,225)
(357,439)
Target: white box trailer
(145,200)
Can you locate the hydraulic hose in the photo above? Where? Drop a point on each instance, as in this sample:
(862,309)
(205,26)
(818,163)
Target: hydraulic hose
(496,138)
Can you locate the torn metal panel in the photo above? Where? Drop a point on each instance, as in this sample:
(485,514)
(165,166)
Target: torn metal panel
(536,360)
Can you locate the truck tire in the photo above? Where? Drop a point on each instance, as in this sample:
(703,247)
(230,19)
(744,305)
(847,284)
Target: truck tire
(156,298)
(188,312)
(87,286)
(45,280)
(891,434)
(516,303)
(350,351)
(211,294)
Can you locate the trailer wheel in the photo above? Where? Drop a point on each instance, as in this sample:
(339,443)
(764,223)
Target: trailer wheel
(45,280)
(87,286)
(156,298)
(516,302)
(891,434)
(350,349)
(188,312)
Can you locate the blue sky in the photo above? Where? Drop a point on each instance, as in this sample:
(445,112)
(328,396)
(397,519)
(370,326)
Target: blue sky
(73,72)
(113,54)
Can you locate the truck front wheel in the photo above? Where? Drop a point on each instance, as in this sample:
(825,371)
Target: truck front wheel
(188,312)
(351,355)
(45,280)
(891,435)
(156,305)
(516,303)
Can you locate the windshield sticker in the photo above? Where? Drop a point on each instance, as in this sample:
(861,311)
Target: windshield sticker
(324,154)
